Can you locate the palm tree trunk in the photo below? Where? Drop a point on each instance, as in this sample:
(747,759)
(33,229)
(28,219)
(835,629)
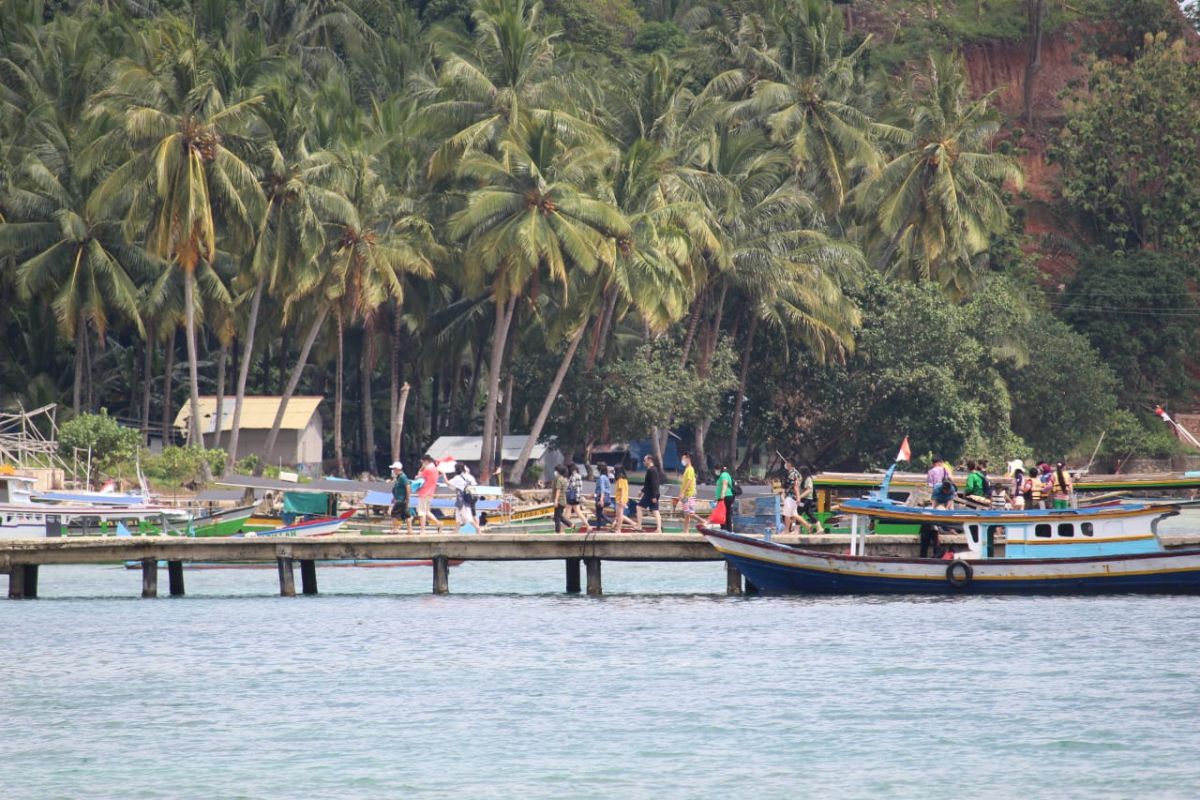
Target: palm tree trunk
(244,370)
(222,357)
(339,463)
(147,372)
(503,422)
(539,422)
(168,380)
(368,410)
(292,383)
(398,421)
(606,328)
(468,403)
(80,336)
(504,315)
(90,403)
(693,323)
(195,437)
(396,416)
(736,423)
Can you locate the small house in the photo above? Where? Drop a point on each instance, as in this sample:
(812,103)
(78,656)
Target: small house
(300,435)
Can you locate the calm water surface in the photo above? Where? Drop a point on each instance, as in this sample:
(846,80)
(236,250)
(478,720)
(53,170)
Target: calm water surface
(662,689)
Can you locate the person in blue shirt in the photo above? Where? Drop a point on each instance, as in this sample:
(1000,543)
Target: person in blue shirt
(603,493)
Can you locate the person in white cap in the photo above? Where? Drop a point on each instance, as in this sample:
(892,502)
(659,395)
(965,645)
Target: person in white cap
(400,498)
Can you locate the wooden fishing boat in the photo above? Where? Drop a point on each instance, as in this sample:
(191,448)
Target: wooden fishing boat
(1084,550)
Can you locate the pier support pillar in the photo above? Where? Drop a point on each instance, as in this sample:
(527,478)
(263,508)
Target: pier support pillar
(308,576)
(573,585)
(733,580)
(22,581)
(287,577)
(149,577)
(441,575)
(592,565)
(175,578)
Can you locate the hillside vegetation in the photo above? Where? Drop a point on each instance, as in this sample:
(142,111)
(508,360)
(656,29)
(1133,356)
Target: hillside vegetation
(763,225)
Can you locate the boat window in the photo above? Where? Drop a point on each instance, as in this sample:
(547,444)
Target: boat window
(1042,530)
(1066,529)
(1085,528)
(973,532)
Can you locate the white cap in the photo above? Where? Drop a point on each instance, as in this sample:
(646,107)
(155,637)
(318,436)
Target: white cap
(396,465)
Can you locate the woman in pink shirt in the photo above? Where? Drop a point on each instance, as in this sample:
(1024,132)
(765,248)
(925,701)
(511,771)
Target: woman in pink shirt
(428,474)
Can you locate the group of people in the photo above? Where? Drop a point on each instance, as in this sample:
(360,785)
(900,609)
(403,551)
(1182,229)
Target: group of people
(1042,487)
(612,496)
(425,485)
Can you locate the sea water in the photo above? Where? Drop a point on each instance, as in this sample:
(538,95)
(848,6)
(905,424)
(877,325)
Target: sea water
(663,688)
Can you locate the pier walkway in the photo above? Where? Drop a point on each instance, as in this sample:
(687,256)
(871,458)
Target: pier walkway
(21,558)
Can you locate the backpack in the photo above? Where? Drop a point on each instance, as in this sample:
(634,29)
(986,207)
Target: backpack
(737,487)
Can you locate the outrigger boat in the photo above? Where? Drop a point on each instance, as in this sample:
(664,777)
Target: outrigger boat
(1084,550)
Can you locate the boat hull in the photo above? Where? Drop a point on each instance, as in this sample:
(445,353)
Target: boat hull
(778,569)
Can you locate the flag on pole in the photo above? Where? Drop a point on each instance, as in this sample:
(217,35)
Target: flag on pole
(905,453)
(1180,431)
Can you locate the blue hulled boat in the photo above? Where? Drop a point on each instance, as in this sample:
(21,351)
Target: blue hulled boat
(1085,550)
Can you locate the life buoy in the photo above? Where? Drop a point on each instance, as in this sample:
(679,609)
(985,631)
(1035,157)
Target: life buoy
(959,574)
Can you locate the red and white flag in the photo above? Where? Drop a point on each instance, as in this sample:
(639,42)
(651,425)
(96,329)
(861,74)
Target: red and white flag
(905,453)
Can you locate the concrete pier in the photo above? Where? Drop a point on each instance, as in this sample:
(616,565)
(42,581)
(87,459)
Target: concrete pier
(287,577)
(308,576)
(22,558)
(733,580)
(592,567)
(175,578)
(441,575)
(573,585)
(149,577)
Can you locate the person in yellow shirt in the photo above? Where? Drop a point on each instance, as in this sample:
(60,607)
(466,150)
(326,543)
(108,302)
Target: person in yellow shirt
(687,492)
(621,500)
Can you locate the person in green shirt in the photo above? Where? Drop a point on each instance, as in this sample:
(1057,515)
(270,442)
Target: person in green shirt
(975,490)
(400,494)
(724,494)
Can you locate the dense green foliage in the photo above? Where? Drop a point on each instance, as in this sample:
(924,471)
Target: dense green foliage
(747,222)
(1134,309)
(1130,153)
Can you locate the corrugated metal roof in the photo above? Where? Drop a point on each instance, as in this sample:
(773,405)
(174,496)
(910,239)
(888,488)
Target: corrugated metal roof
(469,448)
(257,413)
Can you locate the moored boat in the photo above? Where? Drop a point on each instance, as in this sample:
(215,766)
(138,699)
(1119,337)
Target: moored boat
(1086,550)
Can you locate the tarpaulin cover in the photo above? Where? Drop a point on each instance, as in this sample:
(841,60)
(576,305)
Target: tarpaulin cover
(305,503)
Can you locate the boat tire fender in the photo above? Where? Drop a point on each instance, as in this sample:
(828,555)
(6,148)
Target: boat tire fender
(959,574)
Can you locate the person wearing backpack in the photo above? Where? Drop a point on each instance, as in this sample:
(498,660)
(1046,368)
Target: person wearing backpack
(724,494)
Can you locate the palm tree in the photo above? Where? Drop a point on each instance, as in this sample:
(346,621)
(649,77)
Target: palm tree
(184,174)
(938,202)
(529,216)
(373,247)
(795,71)
(291,233)
(75,257)
(489,83)
(778,261)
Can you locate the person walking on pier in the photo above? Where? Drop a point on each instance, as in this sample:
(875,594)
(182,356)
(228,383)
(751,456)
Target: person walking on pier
(558,496)
(791,497)
(687,492)
(724,495)
(621,500)
(603,494)
(575,496)
(651,491)
(429,481)
(464,498)
(400,511)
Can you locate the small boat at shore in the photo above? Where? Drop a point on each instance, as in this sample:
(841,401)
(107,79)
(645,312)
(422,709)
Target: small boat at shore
(1107,549)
